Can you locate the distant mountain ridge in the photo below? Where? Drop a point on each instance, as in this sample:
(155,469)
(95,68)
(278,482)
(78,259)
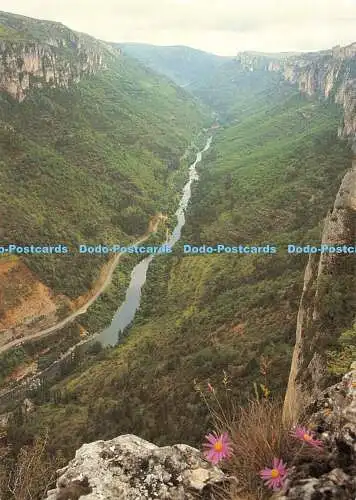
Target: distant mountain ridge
(183,65)
(214,79)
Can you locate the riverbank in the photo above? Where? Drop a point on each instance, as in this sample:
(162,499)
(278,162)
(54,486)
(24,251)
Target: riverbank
(126,313)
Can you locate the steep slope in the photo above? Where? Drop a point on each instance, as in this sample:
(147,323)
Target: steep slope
(90,144)
(36,53)
(229,90)
(183,65)
(325,333)
(221,82)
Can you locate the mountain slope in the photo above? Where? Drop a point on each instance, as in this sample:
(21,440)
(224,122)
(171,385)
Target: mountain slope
(92,162)
(220,82)
(90,144)
(183,65)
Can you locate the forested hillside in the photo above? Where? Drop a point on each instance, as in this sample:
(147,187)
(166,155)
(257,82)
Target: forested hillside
(184,65)
(91,162)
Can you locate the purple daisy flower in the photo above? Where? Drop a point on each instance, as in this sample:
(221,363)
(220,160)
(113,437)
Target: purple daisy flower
(274,478)
(304,434)
(217,448)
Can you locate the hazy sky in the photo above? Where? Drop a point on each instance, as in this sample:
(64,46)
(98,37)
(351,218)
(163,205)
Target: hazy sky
(220,26)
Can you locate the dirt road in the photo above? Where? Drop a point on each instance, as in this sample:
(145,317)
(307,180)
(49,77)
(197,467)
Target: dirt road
(152,228)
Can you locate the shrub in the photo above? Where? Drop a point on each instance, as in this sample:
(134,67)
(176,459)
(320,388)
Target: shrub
(257,435)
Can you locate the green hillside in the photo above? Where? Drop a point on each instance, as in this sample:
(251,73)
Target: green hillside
(234,93)
(91,164)
(268,179)
(183,65)
(218,81)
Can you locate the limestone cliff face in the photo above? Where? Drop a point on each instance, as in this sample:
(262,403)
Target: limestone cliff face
(328,302)
(56,57)
(329,74)
(327,305)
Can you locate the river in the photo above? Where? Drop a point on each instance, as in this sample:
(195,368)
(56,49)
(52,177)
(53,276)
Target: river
(126,312)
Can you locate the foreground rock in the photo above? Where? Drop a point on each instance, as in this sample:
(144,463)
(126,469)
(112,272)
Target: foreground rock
(130,468)
(333,474)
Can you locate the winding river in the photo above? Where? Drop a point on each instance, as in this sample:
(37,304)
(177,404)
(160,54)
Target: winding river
(126,312)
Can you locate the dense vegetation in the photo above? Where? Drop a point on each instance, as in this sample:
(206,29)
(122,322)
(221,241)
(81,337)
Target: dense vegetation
(183,65)
(90,164)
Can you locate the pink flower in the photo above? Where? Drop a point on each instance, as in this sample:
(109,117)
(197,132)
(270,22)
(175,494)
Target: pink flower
(217,448)
(304,434)
(210,388)
(274,478)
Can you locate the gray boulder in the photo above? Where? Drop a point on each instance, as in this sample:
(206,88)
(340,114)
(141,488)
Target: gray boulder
(130,468)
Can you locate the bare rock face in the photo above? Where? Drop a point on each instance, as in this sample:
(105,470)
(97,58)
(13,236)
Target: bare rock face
(327,305)
(333,475)
(42,53)
(25,65)
(130,468)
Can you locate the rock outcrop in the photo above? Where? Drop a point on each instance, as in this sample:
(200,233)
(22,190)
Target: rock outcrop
(130,468)
(39,53)
(330,74)
(333,474)
(327,305)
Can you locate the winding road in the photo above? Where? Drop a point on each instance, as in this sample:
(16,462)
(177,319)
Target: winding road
(152,228)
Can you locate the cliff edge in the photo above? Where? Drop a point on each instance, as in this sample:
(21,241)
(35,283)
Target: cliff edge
(37,53)
(327,306)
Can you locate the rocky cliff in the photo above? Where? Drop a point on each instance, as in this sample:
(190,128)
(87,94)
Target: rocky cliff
(327,306)
(332,473)
(128,467)
(328,74)
(36,53)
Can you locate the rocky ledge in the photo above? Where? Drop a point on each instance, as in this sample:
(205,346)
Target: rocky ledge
(332,475)
(26,65)
(130,468)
